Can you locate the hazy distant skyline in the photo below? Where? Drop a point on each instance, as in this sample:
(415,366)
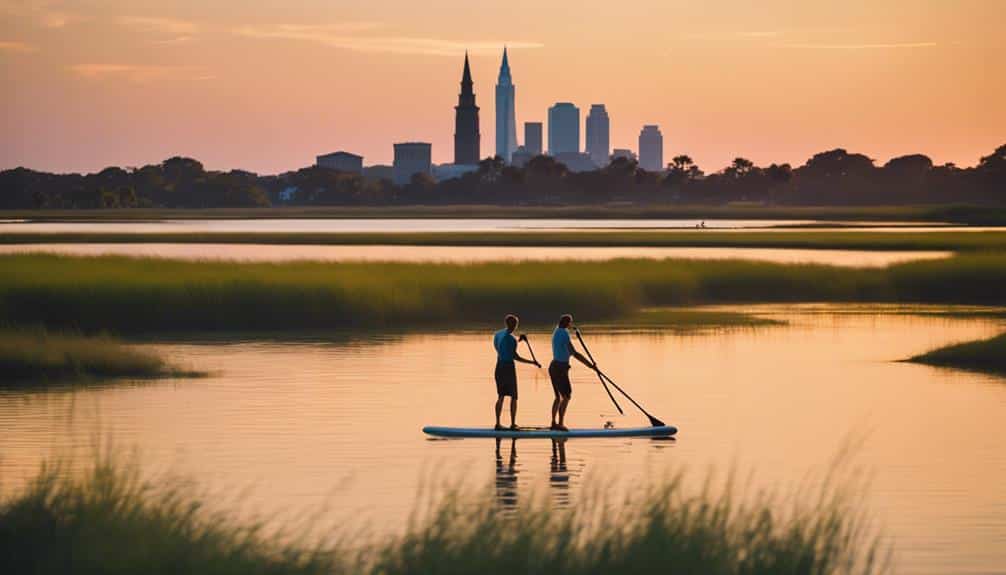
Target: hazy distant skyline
(267,85)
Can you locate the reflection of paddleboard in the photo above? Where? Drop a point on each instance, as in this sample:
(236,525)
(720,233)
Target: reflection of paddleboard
(533,432)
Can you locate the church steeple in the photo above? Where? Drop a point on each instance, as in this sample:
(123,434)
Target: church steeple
(466,77)
(466,121)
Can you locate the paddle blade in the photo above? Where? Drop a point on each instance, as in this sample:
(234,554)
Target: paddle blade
(656,422)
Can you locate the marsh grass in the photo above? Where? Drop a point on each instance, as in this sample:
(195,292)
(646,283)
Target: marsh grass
(987,355)
(109,520)
(125,294)
(29,357)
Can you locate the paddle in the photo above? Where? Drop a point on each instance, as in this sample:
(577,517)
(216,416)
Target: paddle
(653,420)
(523,338)
(599,376)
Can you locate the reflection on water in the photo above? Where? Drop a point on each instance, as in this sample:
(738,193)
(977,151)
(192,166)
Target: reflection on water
(506,475)
(465,254)
(335,423)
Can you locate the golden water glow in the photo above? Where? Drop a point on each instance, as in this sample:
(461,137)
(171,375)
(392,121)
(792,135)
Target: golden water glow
(267,85)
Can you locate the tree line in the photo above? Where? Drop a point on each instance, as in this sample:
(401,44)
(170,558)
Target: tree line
(835,177)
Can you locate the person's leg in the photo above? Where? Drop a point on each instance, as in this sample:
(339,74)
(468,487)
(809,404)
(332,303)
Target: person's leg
(499,409)
(563,404)
(555,408)
(513,411)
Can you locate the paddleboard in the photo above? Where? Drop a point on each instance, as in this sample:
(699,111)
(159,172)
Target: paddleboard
(545,432)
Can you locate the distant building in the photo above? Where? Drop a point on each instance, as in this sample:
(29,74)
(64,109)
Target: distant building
(532,138)
(597,135)
(411,158)
(651,149)
(521,157)
(576,161)
(379,172)
(466,122)
(342,161)
(506,122)
(563,128)
(450,171)
(622,153)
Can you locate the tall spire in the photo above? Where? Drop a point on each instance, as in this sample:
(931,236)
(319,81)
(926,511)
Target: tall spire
(504,77)
(466,77)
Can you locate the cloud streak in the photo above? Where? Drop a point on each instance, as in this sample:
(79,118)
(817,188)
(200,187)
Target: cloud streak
(136,73)
(863,46)
(15,47)
(355,37)
(43,13)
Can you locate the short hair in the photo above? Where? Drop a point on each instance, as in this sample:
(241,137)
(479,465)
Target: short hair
(511,320)
(565,319)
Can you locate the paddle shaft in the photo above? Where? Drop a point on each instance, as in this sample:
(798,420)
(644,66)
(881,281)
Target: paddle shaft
(656,422)
(531,350)
(599,376)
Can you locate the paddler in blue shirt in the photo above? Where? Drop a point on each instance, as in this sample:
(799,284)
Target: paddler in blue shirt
(506,371)
(558,370)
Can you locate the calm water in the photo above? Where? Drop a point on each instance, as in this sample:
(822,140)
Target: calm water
(318,225)
(279,253)
(334,424)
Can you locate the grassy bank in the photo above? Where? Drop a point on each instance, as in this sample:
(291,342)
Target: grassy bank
(110,521)
(34,356)
(801,239)
(988,355)
(153,295)
(962,214)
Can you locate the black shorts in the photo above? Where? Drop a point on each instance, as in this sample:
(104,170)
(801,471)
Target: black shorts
(559,373)
(506,379)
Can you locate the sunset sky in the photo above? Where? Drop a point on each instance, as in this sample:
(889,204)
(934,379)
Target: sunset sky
(266,85)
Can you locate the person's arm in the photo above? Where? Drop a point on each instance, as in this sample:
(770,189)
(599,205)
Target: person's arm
(580,357)
(517,357)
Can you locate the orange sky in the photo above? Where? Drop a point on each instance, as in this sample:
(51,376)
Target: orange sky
(266,85)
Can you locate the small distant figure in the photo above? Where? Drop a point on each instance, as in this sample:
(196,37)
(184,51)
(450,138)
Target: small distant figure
(558,370)
(703,224)
(506,370)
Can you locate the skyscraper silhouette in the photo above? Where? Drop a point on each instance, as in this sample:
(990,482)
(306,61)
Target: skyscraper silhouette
(466,122)
(597,135)
(506,122)
(532,138)
(563,129)
(651,148)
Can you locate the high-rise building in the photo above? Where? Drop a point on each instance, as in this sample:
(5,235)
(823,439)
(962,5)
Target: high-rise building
(466,122)
(651,149)
(532,138)
(342,161)
(506,122)
(563,128)
(411,158)
(597,135)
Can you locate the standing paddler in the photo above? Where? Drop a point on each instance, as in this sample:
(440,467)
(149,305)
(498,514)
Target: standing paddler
(506,371)
(558,370)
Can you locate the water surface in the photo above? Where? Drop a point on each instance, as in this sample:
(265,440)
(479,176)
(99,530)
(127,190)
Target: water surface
(333,423)
(469,254)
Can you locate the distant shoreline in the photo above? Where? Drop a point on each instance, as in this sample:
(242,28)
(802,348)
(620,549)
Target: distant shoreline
(957,214)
